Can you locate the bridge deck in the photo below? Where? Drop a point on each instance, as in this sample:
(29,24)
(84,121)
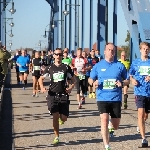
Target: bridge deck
(33,124)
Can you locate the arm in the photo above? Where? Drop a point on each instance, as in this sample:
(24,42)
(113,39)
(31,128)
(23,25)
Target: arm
(93,75)
(41,79)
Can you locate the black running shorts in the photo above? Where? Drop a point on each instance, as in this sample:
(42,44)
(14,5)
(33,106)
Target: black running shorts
(112,108)
(61,106)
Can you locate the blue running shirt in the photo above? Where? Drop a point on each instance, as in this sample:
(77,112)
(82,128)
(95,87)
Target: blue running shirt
(23,60)
(139,70)
(107,74)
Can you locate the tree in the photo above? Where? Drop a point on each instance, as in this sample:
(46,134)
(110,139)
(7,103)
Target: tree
(126,47)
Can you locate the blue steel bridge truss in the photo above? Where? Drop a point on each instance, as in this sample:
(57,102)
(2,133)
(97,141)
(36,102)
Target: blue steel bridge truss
(136,12)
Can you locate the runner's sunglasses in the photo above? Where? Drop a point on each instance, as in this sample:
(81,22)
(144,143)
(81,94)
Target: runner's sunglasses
(58,54)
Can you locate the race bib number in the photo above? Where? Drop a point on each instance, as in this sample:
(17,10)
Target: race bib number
(37,68)
(81,76)
(144,70)
(109,84)
(58,76)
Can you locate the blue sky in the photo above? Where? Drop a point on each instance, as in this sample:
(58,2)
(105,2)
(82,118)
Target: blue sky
(32,16)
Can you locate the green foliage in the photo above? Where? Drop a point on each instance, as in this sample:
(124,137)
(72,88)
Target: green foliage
(126,47)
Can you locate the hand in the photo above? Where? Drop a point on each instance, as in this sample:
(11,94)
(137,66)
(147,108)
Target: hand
(147,78)
(83,70)
(118,83)
(68,90)
(43,90)
(134,82)
(95,84)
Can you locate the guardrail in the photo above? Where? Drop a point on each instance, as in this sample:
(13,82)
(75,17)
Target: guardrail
(4,86)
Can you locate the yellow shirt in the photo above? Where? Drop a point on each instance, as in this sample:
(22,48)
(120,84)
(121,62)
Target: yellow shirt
(126,63)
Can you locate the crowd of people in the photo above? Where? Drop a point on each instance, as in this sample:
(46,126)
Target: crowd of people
(102,78)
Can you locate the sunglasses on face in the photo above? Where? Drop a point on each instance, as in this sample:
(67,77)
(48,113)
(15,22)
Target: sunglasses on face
(58,54)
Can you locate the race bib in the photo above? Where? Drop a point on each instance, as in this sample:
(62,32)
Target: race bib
(37,68)
(66,63)
(58,76)
(22,71)
(144,70)
(81,76)
(109,84)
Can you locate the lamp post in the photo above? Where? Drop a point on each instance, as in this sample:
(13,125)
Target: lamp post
(11,24)
(76,15)
(40,44)
(62,29)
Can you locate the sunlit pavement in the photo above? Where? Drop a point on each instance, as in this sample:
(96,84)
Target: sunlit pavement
(33,124)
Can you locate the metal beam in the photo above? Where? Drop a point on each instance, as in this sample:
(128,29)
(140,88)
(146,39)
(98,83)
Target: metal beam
(70,27)
(101,41)
(83,23)
(51,2)
(91,25)
(115,25)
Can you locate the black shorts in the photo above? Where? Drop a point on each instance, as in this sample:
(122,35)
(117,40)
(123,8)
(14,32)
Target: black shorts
(61,105)
(111,108)
(36,76)
(22,73)
(143,102)
(80,83)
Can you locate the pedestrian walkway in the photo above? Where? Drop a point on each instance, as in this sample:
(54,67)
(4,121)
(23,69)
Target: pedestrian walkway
(33,124)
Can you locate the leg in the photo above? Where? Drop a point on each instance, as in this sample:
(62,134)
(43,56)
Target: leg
(78,91)
(125,96)
(103,108)
(83,89)
(141,103)
(34,89)
(56,123)
(21,75)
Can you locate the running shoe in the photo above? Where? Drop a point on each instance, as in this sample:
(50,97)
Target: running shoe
(79,107)
(125,105)
(83,100)
(56,140)
(111,132)
(93,95)
(60,121)
(90,95)
(144,143)
(23,88)
(37,95)
(33,95)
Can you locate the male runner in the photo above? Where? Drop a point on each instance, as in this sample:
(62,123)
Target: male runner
(79,66)
(110,75)
(126,63)
(58,98)
(23,62)
(140,77)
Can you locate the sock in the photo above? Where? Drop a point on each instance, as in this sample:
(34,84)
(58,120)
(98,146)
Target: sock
(93,92)
(106,146)
(90,92)
(25,82)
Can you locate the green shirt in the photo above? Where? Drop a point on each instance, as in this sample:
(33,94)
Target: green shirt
(67,61)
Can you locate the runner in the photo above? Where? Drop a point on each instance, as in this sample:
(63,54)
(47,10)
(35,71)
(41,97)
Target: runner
(88,67)
(18,54)
(93,60)
(23,62)
(58,98)
(36,73)
(140,78)
(111,76)
(126,63)
(79,66)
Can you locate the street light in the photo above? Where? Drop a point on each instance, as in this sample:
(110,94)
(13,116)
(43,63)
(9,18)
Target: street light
(12,10)
(65,12)
(11,24)
(11,34)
